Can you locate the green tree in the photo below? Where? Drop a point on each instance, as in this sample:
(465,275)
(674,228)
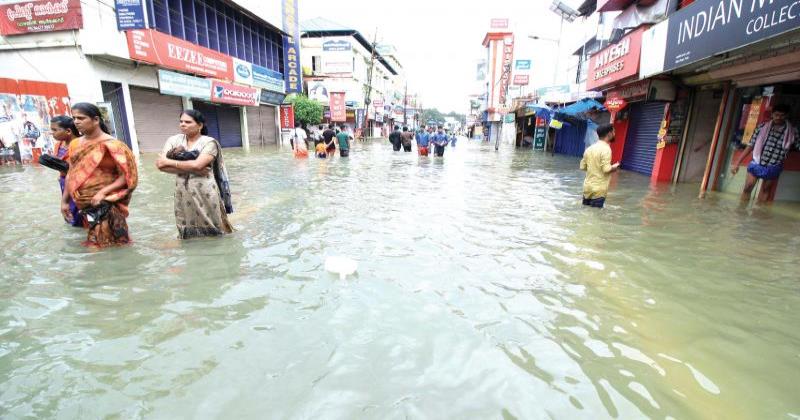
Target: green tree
(431,114)
(306,111)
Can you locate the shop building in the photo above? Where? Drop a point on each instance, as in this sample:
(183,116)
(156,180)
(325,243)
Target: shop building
(146,63)
(735,73)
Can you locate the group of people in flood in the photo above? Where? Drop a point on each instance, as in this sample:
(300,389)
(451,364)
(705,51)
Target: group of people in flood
(98,175)
(326,140)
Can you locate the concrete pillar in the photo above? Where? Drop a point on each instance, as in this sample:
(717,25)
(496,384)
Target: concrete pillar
(126,99)
(245,132)
(187,103)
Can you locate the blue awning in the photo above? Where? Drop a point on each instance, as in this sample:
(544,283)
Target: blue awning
(582,106)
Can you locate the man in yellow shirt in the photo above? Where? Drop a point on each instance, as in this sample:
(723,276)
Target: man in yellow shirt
(597,164)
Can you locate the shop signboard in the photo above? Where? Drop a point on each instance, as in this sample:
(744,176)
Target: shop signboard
(337,56)
(179,84)
(522,64)
(616,62)
(163,50)
(520,79)
(130,14)
(752,119)
(498,23)
(632,91)
(508,57)
(359,117)
(709,27)
(40,16)
(271,98)
(317,91)
(268,79)
(228,93)
(338,110)
(287,117)
(291,47)
(540,135)
(614,105)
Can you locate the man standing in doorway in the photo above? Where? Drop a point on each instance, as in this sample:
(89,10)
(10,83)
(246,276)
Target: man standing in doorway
(423,140)
(440,140)
(344,142)
(597,164)
(768,148)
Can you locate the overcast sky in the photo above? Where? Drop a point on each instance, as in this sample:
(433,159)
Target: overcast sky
(439,41)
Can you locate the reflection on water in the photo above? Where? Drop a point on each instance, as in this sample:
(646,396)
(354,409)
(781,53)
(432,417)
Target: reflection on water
(484,290)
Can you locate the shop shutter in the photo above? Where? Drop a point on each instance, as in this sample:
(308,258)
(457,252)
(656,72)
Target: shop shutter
(640,143)
(261,128)
(155,117)
(223,123)
(570,139)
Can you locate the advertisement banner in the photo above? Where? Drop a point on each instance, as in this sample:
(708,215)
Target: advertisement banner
(130,14)
(520,79)
(154,47)
(338,111)
(710,27)
(40,16)
(228,93)
(291,48)
(360,117)
(287,117)
(480,74)
(508,57)
(179,84)
(28,107)
(616,62)
(337,56)
(317,91)
(242,71)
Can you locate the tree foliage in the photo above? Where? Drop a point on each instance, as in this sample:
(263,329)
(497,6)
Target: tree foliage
(306,111)
(433,114)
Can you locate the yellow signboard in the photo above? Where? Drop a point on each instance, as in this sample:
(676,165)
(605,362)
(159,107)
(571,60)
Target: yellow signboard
(752,120)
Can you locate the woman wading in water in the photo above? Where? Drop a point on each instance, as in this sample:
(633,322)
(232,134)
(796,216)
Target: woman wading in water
(202,192)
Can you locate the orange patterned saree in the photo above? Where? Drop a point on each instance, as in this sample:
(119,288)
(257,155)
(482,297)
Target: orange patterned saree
(94,165)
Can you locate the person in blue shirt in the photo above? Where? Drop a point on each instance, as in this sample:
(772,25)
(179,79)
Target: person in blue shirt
(440,140)
(453,139)
(423,141)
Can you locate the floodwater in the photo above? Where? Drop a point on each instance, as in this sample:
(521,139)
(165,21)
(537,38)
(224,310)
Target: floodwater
(484,290)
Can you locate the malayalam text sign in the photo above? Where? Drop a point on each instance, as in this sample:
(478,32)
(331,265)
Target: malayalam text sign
(40,16)
(179,84)
(287,117)
(338,110)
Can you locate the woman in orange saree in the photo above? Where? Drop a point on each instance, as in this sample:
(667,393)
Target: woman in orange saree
(101,179)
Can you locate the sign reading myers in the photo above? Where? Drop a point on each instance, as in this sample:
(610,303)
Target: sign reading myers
(40,16)
(178,84)
(130,14)
(616,62)
(291,48)
(709,27)
(154,47)
(228,93)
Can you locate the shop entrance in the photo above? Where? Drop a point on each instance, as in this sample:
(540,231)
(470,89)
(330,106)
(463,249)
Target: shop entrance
(223,122)
(700,134)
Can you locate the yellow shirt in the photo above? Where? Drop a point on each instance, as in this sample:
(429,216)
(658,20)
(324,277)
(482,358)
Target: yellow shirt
(597,164)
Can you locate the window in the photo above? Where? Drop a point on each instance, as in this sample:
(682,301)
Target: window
(216,25)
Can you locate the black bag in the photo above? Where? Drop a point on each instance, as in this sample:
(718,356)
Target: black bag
(95,215)
(53,162)
(181,154)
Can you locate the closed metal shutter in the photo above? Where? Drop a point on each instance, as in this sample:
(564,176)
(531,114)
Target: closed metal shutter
(223,123)
(570,139)
(261,128)
(155,116)
(640,143)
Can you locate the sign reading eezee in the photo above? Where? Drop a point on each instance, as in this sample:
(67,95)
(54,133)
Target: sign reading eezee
(154,47)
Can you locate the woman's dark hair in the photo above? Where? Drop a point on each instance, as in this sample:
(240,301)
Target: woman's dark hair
(198,117)
(66,123)
(91,111)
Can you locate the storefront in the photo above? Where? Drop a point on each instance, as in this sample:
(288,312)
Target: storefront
(262,120)
(155,116)
(731,97)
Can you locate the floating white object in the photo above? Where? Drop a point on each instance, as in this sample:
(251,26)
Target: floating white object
(342,266)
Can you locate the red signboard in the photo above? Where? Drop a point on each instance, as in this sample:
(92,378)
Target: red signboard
(508,57)
(338,112)
(615,62)
(377,103)
(520,79)
(613,105)
(40,16)
(228,93)
(287,116)
(169,52)
(498,23)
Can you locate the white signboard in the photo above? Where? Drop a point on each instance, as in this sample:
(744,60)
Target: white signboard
(337,56)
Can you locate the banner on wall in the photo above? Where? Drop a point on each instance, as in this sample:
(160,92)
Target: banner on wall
(291,48)
(337,57)
(40,16)
(505,78)
(337,105)
(26,108)
(150,46)
(287,116)
(179,84)
(228,93)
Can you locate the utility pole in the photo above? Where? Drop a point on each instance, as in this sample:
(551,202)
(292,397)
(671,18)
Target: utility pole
(405,104)
(368,90)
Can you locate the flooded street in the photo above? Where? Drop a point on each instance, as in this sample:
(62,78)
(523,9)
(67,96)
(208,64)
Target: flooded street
(484,290)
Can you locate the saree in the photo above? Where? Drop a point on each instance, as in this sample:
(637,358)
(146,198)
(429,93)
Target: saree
(95,164)
(202,203)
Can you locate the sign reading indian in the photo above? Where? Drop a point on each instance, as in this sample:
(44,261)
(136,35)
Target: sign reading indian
(40,16)
(616,62)
(154,47)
